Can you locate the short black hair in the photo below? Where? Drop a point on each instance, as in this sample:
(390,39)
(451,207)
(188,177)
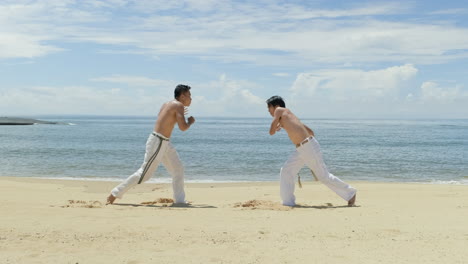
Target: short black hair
(180,89)
(276,101)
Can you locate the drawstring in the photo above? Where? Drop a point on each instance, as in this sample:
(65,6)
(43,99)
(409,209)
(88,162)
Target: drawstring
(299,178)
(313,174)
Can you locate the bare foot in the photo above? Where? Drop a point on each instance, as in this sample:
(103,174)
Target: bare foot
(352,201)
(110,199)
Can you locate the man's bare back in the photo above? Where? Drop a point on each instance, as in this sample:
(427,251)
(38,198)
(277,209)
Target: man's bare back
(284,118)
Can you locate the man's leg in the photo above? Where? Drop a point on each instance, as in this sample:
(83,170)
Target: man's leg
(175,167)
(312,154)
(287,178)
(153,157)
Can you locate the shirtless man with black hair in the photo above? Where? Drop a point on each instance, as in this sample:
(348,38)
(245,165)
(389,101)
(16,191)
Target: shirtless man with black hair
(307,153)
(160,150)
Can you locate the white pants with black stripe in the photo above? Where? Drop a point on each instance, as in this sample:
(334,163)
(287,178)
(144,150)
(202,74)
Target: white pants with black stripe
(158,150)
(309,154)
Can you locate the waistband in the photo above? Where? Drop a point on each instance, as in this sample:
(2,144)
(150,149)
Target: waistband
(304,141)
(160,136)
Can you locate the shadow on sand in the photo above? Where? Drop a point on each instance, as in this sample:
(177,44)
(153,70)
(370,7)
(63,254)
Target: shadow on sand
(327,206)
(188,205)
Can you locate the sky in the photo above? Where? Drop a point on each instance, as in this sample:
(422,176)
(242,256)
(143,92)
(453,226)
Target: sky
(327,59)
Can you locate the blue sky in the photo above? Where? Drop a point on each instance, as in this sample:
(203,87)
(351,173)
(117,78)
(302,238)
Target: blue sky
(328,59)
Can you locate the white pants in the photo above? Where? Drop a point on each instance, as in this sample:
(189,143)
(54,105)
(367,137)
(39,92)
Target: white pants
(158,149)
(309,154)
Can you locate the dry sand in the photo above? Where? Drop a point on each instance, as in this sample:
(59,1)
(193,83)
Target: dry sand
(59,221)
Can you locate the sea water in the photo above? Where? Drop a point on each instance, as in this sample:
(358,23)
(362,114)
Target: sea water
(238,149)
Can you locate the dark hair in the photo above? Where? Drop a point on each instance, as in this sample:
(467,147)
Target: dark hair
(180,89)
(276,100)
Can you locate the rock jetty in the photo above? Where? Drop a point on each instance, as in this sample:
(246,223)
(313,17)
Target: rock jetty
(12,121)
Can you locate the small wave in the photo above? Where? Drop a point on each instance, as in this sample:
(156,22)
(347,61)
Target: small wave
(80,178)
(153,180)
(452,182)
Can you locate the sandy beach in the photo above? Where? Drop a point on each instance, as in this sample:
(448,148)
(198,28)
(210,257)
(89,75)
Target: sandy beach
(61,221)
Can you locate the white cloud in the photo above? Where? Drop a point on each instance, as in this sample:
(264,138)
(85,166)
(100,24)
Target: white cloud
(78,100)
(352,85)
(293,36)
(383,93)
(269,33)
(433,92)
(440,100)
(319,96)
(227,97)
(14,45)
(232,98)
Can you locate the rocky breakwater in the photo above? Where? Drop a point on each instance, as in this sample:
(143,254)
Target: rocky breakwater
(12,121)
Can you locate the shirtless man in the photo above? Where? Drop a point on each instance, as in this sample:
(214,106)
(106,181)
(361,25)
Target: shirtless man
(307,152)
(159,149)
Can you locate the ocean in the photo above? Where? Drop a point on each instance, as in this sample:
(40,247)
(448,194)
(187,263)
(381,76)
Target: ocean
(238,149)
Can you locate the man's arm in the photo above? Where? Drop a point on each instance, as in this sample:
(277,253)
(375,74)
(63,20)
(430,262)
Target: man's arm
(275,124)
(309,131)
(183,125)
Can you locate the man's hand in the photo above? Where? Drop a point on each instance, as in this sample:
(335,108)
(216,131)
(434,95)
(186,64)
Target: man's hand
(191,120)
(275,123)
(278,128)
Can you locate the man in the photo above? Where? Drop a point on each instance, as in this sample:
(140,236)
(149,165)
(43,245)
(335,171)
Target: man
(307,152)
(159,149)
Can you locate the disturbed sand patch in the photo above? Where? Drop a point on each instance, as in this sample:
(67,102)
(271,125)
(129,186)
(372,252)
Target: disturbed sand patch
(163,201)
(84,204)
(262,205)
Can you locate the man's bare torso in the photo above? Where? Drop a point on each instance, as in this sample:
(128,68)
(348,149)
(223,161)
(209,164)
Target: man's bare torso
(167,118)
(296,130)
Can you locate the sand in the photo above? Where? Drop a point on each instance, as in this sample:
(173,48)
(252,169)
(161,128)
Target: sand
(60,221)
